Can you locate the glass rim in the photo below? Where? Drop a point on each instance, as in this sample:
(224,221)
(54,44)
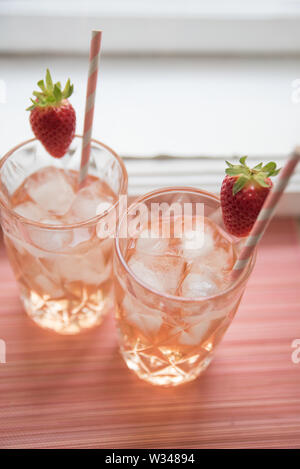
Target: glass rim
(242,278)
(89,221)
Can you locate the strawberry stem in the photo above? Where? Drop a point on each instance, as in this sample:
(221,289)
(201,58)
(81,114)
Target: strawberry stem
(50,94)
(244,174)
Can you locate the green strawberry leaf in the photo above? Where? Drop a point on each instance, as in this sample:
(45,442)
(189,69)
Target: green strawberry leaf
(57,93)
(49,81)
(261,179)
(243,174)
(236,171)
(243,160)
(239,184)
(41,85)
(50,94)
(32,106)
(71,89)
(269,168)
(66,88)
(39,95)
(274,173)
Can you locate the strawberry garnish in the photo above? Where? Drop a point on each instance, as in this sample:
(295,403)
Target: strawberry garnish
(243,193)
(52,118)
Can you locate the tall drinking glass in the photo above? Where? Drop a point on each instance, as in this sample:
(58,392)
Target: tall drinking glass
(50,226)
(174,296)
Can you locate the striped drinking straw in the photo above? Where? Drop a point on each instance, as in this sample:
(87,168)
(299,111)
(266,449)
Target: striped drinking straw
(265,214)
(90,103)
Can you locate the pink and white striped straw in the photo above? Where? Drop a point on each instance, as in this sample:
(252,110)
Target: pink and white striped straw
(265,214)
(90,103)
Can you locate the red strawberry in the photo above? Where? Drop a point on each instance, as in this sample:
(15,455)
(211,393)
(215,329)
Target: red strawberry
(243,193)
(52,118)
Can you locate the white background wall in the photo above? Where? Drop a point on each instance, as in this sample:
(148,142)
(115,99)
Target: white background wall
(175,96)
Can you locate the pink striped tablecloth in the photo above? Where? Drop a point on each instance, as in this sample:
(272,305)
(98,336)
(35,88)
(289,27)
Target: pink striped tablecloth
(75,392)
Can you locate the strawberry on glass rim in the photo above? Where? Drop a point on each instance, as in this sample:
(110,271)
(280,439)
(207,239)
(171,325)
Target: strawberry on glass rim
(243,193)
(52,117)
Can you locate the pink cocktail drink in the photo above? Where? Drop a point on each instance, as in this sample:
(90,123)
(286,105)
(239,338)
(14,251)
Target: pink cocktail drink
(174,295)
(51,231)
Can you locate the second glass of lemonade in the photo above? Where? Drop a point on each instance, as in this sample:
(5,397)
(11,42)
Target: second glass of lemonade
(175,299)
(50,226)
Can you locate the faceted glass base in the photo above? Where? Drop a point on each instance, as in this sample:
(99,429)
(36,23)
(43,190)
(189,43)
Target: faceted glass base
(167,372)
(64,318)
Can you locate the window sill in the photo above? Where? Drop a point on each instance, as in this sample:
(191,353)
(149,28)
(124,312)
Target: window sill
(209,107)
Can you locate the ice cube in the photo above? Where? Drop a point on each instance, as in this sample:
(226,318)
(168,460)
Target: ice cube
(163,273)
(195,334)
(198,285)
(151,245)
(89,267)
(89,202)
(197,243)
(144,318)
(30,211)
(24,247)
(144,273)
(51,190)
(48,286)
(50,239)
(220,261)
(81,235)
